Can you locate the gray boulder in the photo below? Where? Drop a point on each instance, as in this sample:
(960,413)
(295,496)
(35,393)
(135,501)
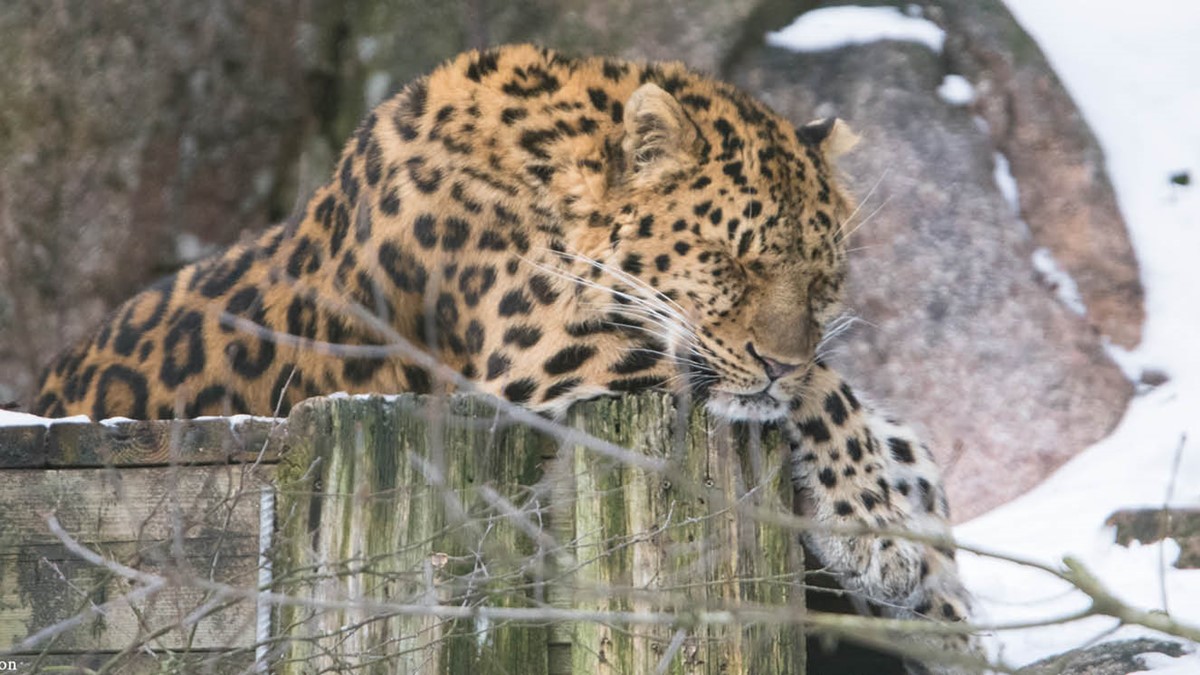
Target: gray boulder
(1066,196)
(133,136)
(960,333)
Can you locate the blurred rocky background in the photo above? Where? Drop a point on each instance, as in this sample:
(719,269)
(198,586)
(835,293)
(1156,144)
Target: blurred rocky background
(136,137)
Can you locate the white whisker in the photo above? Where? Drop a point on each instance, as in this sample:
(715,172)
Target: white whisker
(836,328)
(654,305)
(864,247)
(656,296)
(878,182)
(676,358)
(868,218)
(677,327)
(633,281)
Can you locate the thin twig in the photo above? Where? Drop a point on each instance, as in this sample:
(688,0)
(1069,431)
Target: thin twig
(1166,523)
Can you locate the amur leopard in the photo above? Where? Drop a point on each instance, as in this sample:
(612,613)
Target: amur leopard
(554,229)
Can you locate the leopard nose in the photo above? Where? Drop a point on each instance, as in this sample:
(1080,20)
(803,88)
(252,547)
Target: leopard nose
(775,368)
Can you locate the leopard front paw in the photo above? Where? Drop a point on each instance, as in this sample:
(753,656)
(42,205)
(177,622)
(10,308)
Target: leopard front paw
(861,516)
(881,520)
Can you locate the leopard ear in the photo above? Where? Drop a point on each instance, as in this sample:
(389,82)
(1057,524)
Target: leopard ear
(833,136)
(659,137)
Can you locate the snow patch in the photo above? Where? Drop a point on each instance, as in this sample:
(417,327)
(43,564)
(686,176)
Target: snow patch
(1065,516)
(236,421)
(1129,361)
(1161,664)
(1002,173)
(1058,279)
(11,418)
(1052,274)
(956,90)
(834,27)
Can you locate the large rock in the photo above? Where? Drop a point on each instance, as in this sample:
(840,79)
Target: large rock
(700,32)
(131,135)
(1065,194)
(959,335)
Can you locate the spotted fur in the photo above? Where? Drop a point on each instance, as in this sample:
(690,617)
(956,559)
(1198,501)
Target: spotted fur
(553,229)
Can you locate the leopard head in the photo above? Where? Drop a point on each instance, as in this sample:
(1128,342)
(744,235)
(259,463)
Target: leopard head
(726,239)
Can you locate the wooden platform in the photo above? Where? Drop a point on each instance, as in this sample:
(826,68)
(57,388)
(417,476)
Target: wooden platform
(405,535)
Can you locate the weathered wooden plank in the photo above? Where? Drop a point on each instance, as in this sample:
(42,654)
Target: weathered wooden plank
(431,503)
(142,505)
(40,589)
(136,517)
(380,501)
(155,443)
(22,446)
(679,543)
(424,502)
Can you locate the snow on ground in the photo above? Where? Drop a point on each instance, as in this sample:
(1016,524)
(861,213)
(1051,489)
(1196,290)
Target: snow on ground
(1161,664)
(833,27)
(1133,72)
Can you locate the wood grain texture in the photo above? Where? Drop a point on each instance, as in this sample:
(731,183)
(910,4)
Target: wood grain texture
(391,511)
(183,523)
(424,502)
(153,443)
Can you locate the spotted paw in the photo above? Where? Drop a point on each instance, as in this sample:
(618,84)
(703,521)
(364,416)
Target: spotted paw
(882,519)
